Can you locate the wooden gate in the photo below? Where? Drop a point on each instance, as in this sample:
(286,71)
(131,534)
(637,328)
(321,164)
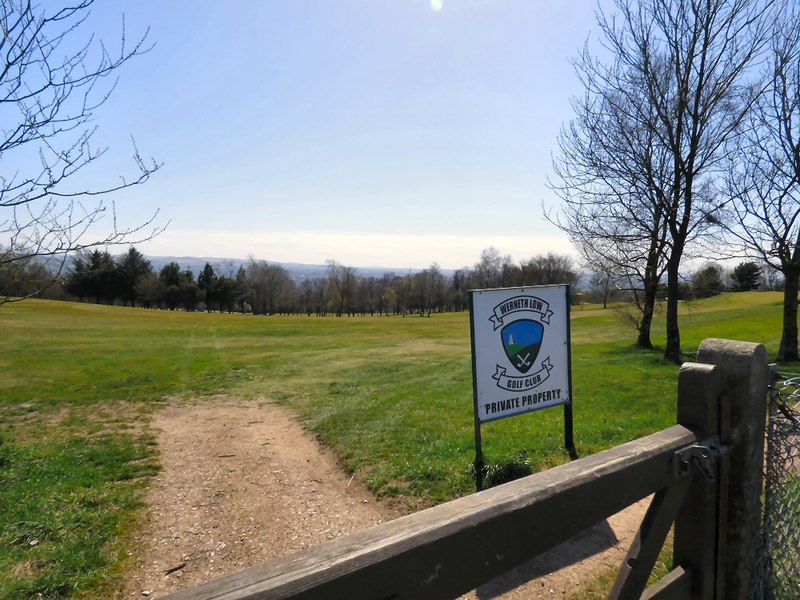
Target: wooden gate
(704,474)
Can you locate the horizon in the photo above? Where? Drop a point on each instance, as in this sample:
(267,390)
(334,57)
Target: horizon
(194,262)
(285,255)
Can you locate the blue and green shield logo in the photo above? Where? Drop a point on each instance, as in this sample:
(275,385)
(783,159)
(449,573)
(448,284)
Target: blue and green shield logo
(522,340)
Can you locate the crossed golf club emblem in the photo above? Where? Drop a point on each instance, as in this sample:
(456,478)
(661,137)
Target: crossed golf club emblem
(521,321)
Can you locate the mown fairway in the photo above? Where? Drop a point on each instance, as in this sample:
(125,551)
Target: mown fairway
(393,396)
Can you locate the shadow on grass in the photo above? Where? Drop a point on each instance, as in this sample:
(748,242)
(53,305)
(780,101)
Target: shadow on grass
(498,473)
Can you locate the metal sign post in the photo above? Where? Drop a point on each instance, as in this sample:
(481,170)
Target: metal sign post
(521,357)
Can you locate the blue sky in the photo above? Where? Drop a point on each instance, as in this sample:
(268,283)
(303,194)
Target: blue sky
(374,132)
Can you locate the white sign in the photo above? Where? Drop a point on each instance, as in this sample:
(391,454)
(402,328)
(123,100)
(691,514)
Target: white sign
(521,350)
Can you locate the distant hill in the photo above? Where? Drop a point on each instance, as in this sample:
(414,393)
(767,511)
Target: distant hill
(229,266)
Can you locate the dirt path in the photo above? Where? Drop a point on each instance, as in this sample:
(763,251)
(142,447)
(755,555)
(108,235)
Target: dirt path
(242,482)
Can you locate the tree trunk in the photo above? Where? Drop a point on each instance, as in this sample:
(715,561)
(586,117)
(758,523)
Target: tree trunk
(649,301)
(673,348)
(788,348)
(648,308)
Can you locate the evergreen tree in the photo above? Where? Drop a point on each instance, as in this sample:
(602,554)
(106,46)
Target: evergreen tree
(189,291)
(131,268)
(746,276)
(170,278)
(207,284)
(94,275)
(707,281)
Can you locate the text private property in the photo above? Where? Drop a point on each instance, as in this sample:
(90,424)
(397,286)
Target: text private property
(526,400)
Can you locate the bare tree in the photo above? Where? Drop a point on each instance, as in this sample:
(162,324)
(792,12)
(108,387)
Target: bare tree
(429,285)
(53,77)
(702,97)
(676,92)
(342,283)
(312,296)
(23,278)
(765,181)
(601,284)
(489,271)
(458,292)
(548,269)
(268,286)
(613,176)
(389,300)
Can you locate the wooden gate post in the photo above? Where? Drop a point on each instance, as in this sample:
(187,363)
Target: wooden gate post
(696,525)
(742,420)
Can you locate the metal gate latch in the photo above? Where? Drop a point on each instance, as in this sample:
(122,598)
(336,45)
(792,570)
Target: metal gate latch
(701,455)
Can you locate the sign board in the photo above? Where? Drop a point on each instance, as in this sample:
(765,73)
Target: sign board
(520,350)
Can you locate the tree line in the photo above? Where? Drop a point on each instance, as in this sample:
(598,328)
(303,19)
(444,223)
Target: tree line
(710,279)
(263,288)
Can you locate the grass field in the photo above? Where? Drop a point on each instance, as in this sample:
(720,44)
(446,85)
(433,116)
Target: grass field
(392,396)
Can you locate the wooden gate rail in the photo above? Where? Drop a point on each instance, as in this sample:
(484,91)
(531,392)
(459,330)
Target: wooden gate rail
(452,548)
(455,547)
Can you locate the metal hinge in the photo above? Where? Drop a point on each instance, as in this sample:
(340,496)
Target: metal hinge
(701,455)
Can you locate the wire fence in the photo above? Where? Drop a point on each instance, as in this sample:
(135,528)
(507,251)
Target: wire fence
(778,566)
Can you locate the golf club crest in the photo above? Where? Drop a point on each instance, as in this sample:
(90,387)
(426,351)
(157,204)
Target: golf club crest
(523,323)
